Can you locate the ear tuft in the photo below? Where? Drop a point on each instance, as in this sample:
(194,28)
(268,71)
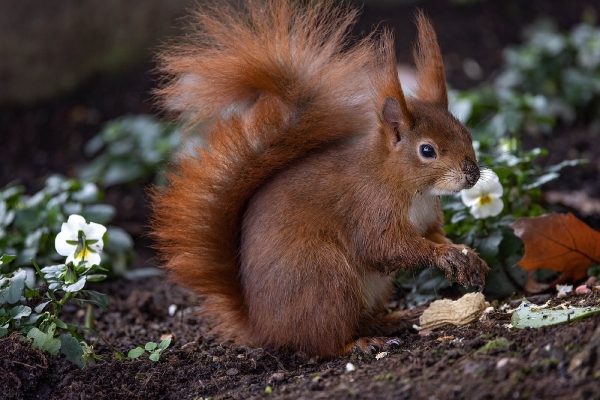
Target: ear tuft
(430,66)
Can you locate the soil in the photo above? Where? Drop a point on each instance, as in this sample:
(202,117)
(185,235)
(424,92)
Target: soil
(553,362)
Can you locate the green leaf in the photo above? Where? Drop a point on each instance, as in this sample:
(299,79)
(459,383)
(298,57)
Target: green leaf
(97,298)
(122,172)
(154,356)
(44,341)
(487,247)
(165,343)
(150,346)
(118,240)
(541,180)
(40,307)
(60,323)
(143,273)
(5,259)
(95,277)
(530,316)
(3,330)
(88,193)
(33,318)
(99,213)
(20,311)
(135,353)
(565,163)
(90,318)
(70,347)
(75,287)
(12,293)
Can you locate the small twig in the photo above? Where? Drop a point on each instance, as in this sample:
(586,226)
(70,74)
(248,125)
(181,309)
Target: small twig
(30,366)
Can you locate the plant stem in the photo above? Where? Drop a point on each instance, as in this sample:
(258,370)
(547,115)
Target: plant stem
(85,328)
(39,271)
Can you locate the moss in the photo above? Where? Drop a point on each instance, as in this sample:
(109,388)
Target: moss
(495,346)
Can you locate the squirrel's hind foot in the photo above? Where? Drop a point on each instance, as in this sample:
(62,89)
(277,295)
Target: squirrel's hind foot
(371,345)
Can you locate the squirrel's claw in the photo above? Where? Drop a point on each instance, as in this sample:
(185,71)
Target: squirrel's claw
(463,265)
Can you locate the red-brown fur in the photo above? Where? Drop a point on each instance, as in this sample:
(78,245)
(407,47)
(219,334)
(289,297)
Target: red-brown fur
(310,191)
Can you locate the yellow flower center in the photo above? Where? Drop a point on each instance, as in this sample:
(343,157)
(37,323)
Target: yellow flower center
(83,253)
(486,199)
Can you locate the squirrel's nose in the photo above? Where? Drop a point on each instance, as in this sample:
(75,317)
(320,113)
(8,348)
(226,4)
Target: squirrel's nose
(471,171)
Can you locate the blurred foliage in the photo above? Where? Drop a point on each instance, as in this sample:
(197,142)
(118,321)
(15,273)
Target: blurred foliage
(562,67)
(131,150)
(29,224)
(553,78)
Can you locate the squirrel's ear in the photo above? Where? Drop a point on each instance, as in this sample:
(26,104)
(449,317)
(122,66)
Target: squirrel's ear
(396,117)
(430,66)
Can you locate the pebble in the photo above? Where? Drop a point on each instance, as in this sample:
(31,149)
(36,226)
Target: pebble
(591,280)
(232,371)
(582,289)
(167,336)
(278,376)
(172,309)
(189,347)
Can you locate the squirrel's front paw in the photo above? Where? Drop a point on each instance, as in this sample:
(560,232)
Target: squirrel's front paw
(461,264)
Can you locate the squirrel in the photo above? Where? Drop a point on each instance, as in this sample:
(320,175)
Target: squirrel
(318,179)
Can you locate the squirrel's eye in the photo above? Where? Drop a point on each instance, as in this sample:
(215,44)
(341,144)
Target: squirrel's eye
(427,151)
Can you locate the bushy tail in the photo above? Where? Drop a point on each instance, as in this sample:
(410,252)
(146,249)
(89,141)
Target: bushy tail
(272,82)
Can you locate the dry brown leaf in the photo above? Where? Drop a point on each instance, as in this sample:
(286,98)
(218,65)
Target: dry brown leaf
(558,242)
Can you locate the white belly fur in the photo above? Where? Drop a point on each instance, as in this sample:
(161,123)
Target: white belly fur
(375,289)
(424,212)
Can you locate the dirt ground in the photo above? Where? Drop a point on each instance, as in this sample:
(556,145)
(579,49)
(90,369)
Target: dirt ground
(559,362)
(455,363)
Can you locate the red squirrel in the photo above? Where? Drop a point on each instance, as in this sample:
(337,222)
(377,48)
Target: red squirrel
(318,178)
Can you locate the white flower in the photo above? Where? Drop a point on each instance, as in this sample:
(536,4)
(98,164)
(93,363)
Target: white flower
(79,240)
(485,198)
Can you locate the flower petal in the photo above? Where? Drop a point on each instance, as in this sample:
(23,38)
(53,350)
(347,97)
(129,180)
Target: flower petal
(94,231)
(93,259)
(495,207)
(75,220)
(74,224)
(90,259)
(477,212)
(490,183)
(488,210)
(60,243)
(470,197)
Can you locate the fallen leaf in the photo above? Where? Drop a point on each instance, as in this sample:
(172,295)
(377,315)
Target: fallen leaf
(578,200)
(528,316)
(558,242)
